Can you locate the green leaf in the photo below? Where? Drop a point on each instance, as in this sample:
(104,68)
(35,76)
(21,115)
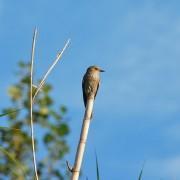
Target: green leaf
(45,101)
(25,80)
(46,88)
(55,115)
(63,129)
(15,92)
(63,109)
(57,174)
(48,138)
(6,113)
(44,111)
(21,64)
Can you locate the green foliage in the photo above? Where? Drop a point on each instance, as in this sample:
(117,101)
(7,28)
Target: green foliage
(51,130)
(16,163)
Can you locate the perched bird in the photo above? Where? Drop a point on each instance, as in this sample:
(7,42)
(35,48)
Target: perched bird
(90,83)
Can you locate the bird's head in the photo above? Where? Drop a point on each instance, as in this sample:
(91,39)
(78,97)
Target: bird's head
(95,69)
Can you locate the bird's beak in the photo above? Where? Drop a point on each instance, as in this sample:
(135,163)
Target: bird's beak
(101,70)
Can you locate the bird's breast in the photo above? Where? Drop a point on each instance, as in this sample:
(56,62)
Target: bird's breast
(93,76)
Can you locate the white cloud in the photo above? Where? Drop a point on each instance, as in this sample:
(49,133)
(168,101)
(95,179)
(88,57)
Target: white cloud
(167,168)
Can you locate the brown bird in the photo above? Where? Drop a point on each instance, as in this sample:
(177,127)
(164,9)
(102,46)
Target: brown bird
(90,83)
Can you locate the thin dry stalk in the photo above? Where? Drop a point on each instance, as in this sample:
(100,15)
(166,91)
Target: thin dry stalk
(82,141)
(31,103)
(59,55)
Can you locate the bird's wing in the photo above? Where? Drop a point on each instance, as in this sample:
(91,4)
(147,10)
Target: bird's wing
(83,89)
(97,90)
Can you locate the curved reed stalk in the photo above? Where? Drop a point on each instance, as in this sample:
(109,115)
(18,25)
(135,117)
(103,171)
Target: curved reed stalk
(59,55)
(31,103)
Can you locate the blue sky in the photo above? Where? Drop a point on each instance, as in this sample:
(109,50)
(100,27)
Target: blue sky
(137,110)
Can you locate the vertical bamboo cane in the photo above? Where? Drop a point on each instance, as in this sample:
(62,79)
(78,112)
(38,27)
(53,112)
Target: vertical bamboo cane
(83,138)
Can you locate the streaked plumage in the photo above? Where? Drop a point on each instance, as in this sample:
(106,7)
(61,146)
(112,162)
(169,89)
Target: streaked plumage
(90,83)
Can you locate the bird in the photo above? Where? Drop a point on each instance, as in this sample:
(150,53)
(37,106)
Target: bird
(90,83)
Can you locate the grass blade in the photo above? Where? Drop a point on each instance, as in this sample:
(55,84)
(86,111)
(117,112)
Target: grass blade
(141,172)
(140,175)
(97,168)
